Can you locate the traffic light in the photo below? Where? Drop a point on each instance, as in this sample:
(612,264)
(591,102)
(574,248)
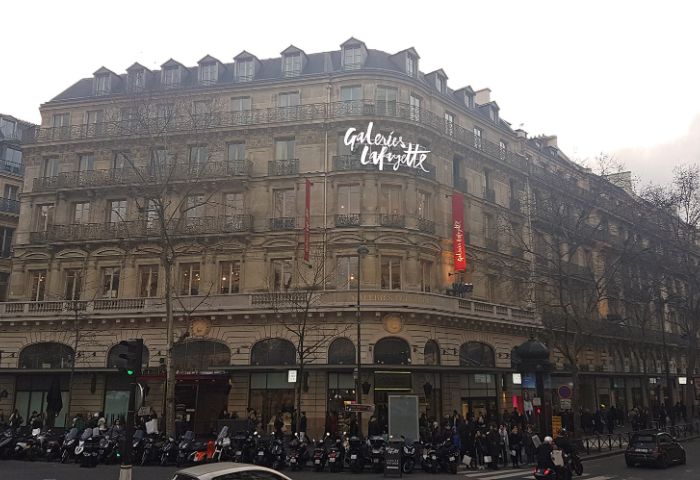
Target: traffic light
(130,358)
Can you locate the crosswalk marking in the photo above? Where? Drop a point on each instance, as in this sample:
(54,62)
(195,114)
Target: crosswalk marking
(498,476)
(520,474)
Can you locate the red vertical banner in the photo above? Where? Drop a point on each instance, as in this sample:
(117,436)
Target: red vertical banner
(307,221)
(458,247)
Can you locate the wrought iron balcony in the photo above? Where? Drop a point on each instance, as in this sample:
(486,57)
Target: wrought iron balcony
(312,112)
(142,175)
(394,220)
(350,162)
(283,167)
(283,223)
(347,220)
(141,229)
(425,225)
(462,185)
(9,205)
(11,168)
(490,195)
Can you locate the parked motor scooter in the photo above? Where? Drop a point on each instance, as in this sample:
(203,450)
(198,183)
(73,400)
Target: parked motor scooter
(336,455)
(262,451)
(408,457)
(277,454)
(27,445)
(69,444)
(376,453)
(431,461)
(168,451)
(184,448)
(320,454)
(89,447)
(222,449)
(448,456)
(356,454)
(298,454)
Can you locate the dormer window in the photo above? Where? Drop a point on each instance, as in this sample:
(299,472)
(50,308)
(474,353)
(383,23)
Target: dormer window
(493,114)
(411,65)
(245,70)
(137,80)
(352,57)
(440,83)
(208,73)
(469,100)
(103,84)
(171,76)
(291,64)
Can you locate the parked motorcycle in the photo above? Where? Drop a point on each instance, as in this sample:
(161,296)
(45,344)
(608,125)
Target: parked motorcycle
(336,455)
(298,454)
(108,449)
(244,447)
(70,442)
(277,454)
(431,460)
(7,441)
(408,457)
(27,446)
(320,455)
(356,454)
(88,447)
(222,448)
(448,455)
(376,453)
(262,451)
(184,448)
(151,449)
(51,444)
(169,451)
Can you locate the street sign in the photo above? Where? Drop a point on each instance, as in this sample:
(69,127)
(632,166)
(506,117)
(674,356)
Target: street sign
(537,401)
(556,425)
(359,408)
(291,376)
(565,391)
(565,404)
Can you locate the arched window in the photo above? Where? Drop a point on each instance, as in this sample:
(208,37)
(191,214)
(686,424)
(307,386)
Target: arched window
(341,352)
(200,355)
(476,354)
(46,355)
(431,353)
(273,351)
(392,351)
(113,356)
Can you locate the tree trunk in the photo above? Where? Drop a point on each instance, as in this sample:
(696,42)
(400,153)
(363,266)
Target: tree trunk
(170,381)
(575,400)
(690,375)
(297,400)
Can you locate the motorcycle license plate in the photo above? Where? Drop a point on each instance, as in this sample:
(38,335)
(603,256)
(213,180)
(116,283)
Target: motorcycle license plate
(641,450)
(353,457)
(238,452)
(292,460)
(425,455)
(317,462)
(332,460)
(375,460)
(48,450)
(260,454)
(452,459)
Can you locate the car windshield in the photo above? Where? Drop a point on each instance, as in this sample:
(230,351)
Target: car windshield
(643,441)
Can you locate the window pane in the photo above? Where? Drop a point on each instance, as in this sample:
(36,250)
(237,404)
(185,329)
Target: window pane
(229,274)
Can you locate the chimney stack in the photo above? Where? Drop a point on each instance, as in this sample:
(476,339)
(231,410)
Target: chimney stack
(483,96)
(520,133)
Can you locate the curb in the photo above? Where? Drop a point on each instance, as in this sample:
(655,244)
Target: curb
(612,453)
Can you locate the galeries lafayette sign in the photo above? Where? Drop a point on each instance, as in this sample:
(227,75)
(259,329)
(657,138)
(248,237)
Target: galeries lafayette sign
(381,150)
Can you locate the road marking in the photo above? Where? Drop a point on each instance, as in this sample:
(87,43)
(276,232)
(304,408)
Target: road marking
(494,475)
(600,477)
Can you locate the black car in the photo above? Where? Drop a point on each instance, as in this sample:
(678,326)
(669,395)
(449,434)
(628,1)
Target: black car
(654,448)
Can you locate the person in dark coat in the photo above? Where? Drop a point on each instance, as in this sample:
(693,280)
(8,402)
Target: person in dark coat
(373,427)
(515,441)
(302,425)
(493,440)
(610,420)
(529,445)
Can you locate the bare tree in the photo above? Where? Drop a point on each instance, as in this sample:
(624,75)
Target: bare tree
(295,300)
(169,185)
(675,220)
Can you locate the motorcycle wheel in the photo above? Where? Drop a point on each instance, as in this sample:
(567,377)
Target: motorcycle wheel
(318,468)
(164,460)
(578,467)
(64,456)
(407,466)
(452,468)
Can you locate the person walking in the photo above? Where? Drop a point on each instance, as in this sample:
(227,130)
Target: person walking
(493,440)
(515,439)
(503,444)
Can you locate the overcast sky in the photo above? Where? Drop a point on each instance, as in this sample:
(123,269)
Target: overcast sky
(605,76)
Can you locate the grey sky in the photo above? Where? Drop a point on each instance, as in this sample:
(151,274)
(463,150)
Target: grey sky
(621,77)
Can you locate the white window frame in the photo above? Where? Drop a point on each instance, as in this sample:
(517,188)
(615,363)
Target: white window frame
(73,283)
(286,274)
(37,282)
(111,277)
(81,212)
(292,64)
(194,278)
(449,123)
(245,70)
(117,214)
(478,137)
(229,277)
(208,73)
(352,57)
(392,263)
(346,278)
(147,272)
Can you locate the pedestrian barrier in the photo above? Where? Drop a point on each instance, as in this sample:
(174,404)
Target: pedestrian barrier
(619,441)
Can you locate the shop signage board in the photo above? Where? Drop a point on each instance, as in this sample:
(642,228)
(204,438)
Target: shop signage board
(556,425)
(392,458)
(403,416)
(359,408)
(385,150)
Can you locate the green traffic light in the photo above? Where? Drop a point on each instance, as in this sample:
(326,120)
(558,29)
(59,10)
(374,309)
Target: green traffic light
(129,372)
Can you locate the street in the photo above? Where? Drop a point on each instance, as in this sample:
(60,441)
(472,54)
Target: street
(609,468)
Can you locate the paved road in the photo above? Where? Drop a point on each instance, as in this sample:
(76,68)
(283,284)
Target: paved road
(610,468)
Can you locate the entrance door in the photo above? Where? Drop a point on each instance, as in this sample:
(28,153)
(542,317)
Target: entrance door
(485,406)
(199,402)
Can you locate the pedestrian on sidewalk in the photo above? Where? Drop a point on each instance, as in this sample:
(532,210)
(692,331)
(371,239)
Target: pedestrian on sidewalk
(515,439)
(529,445)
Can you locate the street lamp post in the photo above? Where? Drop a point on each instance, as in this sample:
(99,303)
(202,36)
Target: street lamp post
(361,250)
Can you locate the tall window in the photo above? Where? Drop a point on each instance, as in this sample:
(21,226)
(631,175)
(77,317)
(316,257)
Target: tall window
(194,207)
(423,205)
(50,167)
(291,64)
(391,199)
(86,162)
(93,121)
(117,211)
(102,84)
(351,94)
(411,65)
(236,152)
(110,282)
(81,212)
(391,273)
(189,279)
(8,128)
(386,98)
(121,160)
(285,149)
(11,191)
(284,203)
(414,102)
(347,273)
(477,138)
(165,113)
(137,80)
(440,83)
(61,120)
(208,73)
(150,214)
(38,285)
(245,70)
(240,104)
(73,283)
(426,276)
(148,280)
(202,109)
(352,57)
(13,158)
(289,99)
(234,204)
(281,274)
(229,277)
(171,76)
(449,123)
(6,241)
(348,199)
(44,217)
(502,150)
(199,155)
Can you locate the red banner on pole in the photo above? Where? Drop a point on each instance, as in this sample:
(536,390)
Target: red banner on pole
(307,221)
(458,247)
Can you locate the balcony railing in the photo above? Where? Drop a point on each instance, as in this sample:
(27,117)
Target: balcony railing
(11,168)
(9,205)
(140,229)
(394,220)
(283,223)
(312,112)
(350,162)
(462,185)
(283,167)
(490,195)
(425,225)
(138,175)
(347,220)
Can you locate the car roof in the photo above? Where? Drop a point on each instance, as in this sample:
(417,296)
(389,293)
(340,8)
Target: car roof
(223,468)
